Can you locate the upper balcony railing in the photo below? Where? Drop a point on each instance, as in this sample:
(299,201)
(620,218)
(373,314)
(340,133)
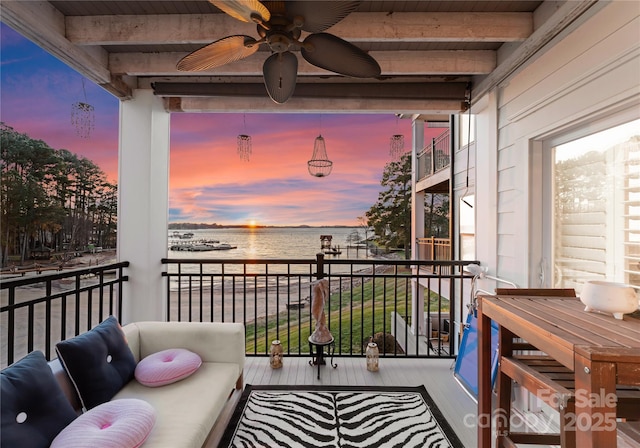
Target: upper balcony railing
(369,299)
(434,249)
(435,156)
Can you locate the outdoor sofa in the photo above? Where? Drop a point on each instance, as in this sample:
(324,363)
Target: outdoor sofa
(185,410)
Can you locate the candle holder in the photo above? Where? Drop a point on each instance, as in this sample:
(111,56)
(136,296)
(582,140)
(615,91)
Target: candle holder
(275,355)
(373,356)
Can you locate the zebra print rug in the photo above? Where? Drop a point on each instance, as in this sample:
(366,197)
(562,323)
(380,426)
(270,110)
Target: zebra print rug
(337,416)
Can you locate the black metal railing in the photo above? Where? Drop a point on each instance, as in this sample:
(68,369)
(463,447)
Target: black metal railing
(435,156)
(38,311)
(369,299)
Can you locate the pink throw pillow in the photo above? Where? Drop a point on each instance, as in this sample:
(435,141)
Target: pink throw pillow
(166,367)
(124,423)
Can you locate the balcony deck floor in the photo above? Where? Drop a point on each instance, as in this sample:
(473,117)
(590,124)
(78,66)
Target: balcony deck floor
(435,374)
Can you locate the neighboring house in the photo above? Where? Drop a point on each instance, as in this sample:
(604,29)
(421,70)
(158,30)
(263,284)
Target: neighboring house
(528,215)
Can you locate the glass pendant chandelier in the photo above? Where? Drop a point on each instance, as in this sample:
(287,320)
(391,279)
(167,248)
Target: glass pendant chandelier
(244,143)
(319,165)
(82,116)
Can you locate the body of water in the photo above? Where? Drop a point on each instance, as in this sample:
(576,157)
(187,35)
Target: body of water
(272,242)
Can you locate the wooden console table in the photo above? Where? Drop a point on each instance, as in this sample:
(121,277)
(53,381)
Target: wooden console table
(600,350)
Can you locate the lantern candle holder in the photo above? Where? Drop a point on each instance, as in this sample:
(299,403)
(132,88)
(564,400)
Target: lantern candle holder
(373,356)
(275,355)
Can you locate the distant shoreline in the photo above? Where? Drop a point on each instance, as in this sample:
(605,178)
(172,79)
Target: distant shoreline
(200,226)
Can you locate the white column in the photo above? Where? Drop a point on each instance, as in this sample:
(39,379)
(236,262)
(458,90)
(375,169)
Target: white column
(486,195)
(417,224)
(143,204)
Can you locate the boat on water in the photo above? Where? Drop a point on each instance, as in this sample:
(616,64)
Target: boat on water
(224,246)
(182,236)
(201,246)
(332,251)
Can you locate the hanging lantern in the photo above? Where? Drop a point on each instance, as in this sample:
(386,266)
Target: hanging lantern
(244,147)
(373,356)
(319,165)
(244,143)
(396,146)
(82,116)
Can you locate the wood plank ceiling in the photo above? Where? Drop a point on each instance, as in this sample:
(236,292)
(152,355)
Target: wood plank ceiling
(430,52)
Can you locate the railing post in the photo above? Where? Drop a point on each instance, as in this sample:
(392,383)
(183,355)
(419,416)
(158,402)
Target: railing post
(320,265)
(433,155)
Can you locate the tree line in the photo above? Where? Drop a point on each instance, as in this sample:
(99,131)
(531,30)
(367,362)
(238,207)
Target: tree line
(390,216)
(51,200)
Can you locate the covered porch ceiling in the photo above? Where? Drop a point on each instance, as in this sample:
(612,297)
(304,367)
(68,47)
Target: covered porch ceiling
(431,53)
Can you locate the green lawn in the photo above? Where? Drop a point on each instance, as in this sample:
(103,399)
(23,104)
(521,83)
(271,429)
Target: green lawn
(354,316)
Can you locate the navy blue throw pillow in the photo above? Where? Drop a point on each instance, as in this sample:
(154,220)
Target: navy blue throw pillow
(33,406)
(99,362)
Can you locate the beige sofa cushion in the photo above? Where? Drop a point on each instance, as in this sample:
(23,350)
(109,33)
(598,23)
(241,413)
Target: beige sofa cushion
(213,342)
(186,410)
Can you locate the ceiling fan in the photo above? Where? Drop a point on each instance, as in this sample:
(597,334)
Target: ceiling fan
(280,25)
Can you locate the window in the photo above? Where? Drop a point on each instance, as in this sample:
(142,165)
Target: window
(596,208)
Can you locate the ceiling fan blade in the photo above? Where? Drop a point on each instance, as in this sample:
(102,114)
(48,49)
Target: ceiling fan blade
(319,16)
(221,52)
(244,10)
(337,55)
(280,73)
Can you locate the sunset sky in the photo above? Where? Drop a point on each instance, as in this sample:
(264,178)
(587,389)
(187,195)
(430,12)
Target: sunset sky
(208,181)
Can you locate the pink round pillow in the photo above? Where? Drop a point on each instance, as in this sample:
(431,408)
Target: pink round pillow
(124,423)
(166,367)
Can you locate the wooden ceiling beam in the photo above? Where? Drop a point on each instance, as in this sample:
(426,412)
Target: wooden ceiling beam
(565,16)
(312,105)
(357,27)
(392,63)
(406,91)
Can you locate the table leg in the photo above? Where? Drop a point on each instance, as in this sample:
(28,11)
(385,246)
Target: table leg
(595,419)
(320,355)
(317,357)
(484,379)
(333,350)
(503,412)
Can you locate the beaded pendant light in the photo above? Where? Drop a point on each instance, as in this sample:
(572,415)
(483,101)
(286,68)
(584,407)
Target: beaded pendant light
(244,143)
(82,116)
(396,144)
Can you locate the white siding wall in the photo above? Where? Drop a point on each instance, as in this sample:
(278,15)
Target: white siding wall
(592,73)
